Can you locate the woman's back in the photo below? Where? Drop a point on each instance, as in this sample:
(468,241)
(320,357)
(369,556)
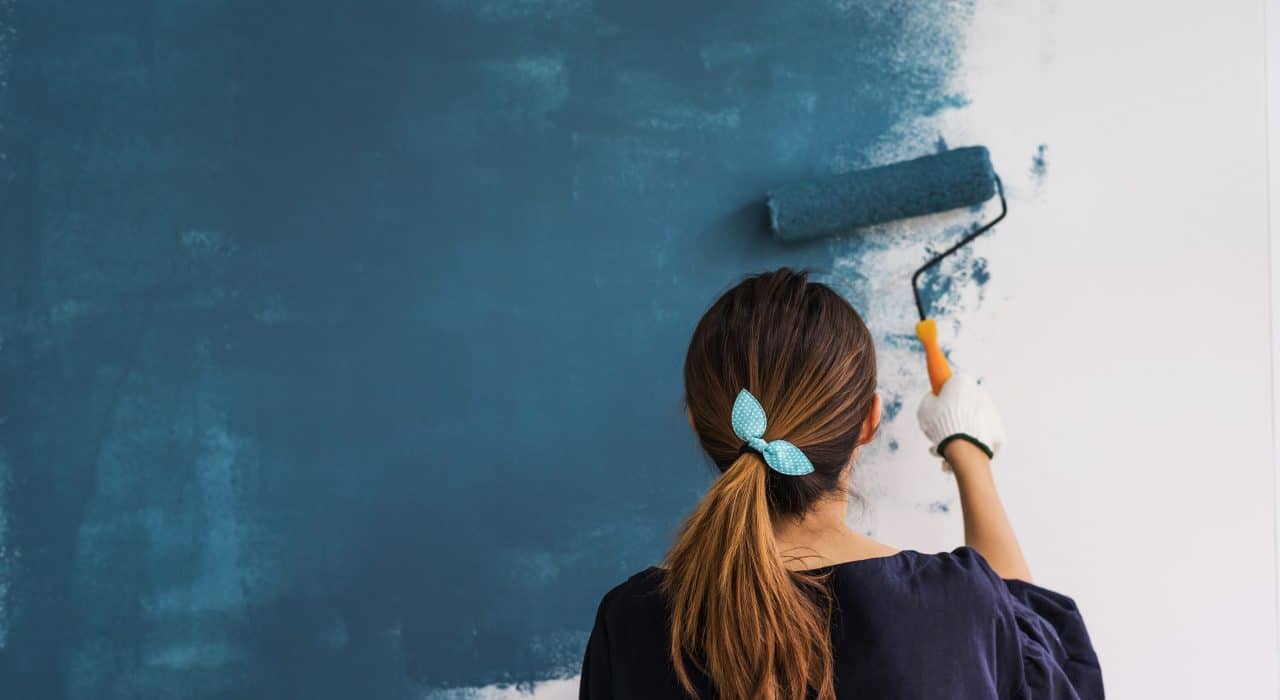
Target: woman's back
(910,625)
(780,389)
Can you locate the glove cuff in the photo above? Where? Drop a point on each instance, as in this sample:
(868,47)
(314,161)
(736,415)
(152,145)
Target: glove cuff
(965,436)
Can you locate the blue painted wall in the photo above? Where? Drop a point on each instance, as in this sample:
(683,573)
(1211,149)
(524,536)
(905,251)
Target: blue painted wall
(340,340)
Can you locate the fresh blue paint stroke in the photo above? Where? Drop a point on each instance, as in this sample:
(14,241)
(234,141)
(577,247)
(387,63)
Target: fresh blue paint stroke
(342,339)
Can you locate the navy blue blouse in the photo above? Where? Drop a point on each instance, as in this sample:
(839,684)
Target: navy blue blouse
(910,625)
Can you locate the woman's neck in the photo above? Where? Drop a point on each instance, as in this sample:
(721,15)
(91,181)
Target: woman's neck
(822,537)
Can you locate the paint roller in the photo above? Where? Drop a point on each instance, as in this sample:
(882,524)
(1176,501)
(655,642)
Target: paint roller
(961,177)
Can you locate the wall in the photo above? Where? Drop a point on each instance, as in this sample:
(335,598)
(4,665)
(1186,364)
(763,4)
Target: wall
(1135,340)
(341,340)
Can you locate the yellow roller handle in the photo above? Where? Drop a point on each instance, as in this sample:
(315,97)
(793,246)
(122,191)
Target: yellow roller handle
(939,370)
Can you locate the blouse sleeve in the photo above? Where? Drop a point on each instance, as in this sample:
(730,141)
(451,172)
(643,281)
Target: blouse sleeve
(1057,657)
(1042,650)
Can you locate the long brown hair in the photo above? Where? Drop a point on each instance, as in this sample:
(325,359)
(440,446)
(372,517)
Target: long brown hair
(755,629)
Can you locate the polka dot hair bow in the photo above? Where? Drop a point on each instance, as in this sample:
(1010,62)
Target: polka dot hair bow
(749,424)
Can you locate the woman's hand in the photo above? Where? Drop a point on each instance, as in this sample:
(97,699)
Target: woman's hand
(963,410)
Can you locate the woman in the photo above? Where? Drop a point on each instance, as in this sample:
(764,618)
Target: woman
(767,594)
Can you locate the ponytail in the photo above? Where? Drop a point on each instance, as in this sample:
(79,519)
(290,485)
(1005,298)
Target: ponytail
(756,630)
(740,621)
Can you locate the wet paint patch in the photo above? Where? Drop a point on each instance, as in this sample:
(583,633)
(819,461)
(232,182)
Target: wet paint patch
(249,438)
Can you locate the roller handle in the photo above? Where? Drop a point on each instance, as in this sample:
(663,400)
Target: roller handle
(939,369)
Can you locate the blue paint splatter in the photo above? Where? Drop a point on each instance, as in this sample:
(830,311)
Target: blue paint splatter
(893,445)
(891,407)
(942,286)
(978,271)
(1040,163)
(940,507)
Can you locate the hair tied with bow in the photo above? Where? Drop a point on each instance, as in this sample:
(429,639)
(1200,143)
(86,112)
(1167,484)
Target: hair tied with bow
(749,424)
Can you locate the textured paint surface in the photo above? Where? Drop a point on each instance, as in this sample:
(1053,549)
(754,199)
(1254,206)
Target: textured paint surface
(837,205)
(340,342)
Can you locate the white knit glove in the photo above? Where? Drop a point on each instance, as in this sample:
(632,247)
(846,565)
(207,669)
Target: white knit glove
(962,410)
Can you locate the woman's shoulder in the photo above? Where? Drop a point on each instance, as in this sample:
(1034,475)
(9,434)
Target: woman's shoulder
(963,562)
(918,579)
(641,590)
(964,568)
(634,612)
(960,564)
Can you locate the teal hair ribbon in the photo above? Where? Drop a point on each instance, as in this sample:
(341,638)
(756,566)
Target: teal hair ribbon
(749,424)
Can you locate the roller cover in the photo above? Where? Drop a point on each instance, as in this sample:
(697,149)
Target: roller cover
(957,178)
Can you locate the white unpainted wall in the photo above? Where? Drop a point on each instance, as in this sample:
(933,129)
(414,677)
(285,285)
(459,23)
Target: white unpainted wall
(1127,336)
